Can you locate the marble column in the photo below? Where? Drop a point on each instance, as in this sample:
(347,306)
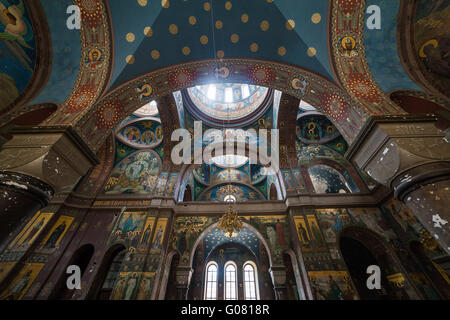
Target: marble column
(410,155)
(36,163)
(183,276)
(278,275)
(20,196)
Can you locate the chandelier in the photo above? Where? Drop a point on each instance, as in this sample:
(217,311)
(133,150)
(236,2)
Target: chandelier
(230,222)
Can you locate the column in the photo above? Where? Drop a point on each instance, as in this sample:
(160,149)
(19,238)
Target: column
(20,196)
(183,275)
(410,155)
(36,163)
(278,275)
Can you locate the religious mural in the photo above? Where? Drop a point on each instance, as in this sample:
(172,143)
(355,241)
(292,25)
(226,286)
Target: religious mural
(125,286)
(142,134)
(432,40)
(326,179)
(31,231)
(241,192)
(17,50)
(135,174)
(57,232)
(158,238)
(22,282)
(332,285)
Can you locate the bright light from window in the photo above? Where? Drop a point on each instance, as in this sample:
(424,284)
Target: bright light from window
(229,198)
(228,94)
(211,282)
(230,282)
(250,285)
(212,92)
(245,91)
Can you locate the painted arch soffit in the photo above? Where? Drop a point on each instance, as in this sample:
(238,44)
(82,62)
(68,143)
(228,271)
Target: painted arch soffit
(95,64)
(349,58)
(348,117)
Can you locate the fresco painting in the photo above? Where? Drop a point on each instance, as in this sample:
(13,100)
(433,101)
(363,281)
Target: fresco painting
(302,232)
(129,228)
(241,192)
(432,40)
(31,231)
(158,237)
(135,174)
(274,229)
(317,238)
(332,285)
(185,232)
(125,286)
(5,267)
(332,221)
(144,290)
(57,232)
(147,232)
(22,282)
(371,219)
(142,134)
(17,50)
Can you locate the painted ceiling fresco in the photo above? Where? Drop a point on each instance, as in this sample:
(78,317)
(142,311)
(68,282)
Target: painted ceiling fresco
(137,173)
(316,128)
(382,50)
(245,237)
(154,34)
(17,50)
(142,134)
(328,180)
(66,53)
(240,192)
(432,39)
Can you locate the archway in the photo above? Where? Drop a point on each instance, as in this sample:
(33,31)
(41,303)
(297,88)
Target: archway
(431,269)
(198,254)
(102,285)
(80,258)
(361,248)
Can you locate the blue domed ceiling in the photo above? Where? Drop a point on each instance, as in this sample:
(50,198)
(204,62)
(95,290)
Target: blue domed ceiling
(155,34)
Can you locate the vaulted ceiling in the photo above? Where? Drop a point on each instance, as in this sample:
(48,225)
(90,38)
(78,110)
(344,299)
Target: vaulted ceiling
(155,34)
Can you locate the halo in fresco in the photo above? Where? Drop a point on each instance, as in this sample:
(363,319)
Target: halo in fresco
(228,101)
(136,174)
(17,50)
(142,134)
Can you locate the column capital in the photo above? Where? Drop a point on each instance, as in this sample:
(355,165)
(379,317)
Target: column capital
(55,155)
(389,146)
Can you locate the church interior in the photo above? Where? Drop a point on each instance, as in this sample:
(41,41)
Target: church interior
(354,98)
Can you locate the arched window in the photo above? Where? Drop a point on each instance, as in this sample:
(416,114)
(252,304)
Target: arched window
(230,281)
(211,281)
(251,291)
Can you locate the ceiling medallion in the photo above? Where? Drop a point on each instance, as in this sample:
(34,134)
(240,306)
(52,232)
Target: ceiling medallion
(230,223)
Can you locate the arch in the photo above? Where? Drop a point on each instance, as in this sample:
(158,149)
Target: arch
(415,102)
(298,279)
(81,258)
(42,69)
(330,99)
(409,52)
(230,282)
(211,281)
(429,268)
(96,290)
(172,261)
(208,229)
(371,245)
(251,278)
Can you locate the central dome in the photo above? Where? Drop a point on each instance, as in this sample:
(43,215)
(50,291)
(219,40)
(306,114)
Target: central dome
(227,101)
